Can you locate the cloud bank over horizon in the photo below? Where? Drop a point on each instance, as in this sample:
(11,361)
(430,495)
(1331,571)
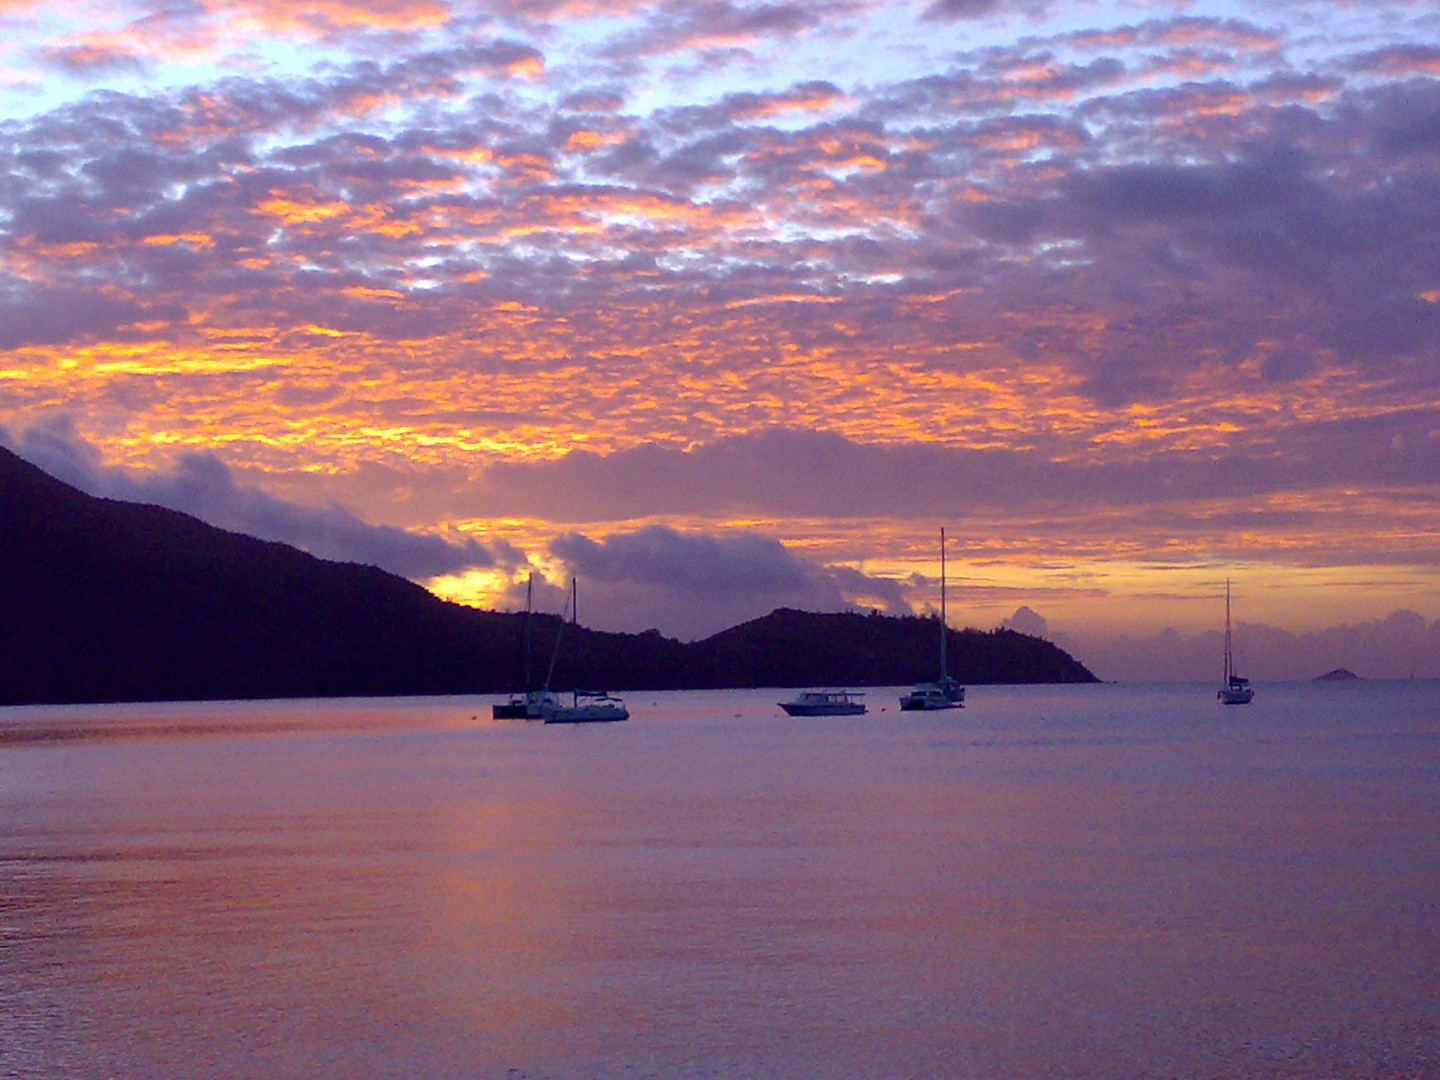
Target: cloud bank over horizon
(690,585)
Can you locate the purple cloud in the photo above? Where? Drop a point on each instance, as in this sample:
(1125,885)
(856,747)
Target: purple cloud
(695,584)
(797,473)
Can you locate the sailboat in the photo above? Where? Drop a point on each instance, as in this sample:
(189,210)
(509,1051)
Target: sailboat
(586,706)
(525,705)
(1236,690)
(944,692)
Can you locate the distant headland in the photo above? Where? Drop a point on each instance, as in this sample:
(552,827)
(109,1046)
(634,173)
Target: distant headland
(112,601)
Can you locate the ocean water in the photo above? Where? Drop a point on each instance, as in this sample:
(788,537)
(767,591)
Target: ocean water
(1056,883)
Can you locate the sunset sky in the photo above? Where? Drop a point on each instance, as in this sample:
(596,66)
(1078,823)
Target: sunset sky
(724,305)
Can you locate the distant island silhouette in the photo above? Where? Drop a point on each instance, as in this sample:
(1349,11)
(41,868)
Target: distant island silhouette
(1340,674)
(103,601)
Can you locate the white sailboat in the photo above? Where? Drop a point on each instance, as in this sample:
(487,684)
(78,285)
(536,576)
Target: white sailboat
(586,706)
(944,692)
(1235,690)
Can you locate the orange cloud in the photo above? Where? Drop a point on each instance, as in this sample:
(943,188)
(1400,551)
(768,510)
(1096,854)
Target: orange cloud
(329,16)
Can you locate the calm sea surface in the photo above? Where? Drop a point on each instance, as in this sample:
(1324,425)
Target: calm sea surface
(1079,882)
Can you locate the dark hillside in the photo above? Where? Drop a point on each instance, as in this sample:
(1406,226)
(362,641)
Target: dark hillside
(798,648)
(111,601)
(104,600)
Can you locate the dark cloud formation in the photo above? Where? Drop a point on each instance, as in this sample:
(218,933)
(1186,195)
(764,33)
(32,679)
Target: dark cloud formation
(56,316)
(202,485)
(696,584)
(952,10)
(819,474)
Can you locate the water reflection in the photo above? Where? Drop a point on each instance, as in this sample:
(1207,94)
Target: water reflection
(1073,885)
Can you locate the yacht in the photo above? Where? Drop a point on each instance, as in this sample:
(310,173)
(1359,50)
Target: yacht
(524,706)
(1235,690)
(944,692)
(530,705)
(586,706)
(825,703)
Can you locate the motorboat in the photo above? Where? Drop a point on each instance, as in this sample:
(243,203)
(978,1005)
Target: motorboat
(1235,690)
(825,703)
(944,692)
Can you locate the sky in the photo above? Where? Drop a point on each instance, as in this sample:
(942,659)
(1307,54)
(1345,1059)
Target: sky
(721,306)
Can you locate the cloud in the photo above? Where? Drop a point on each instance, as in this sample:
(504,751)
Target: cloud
(692,584)
(954,10)
(59,315)
(795,473)
(721,24)
(93,59)
(202,485)
(1027,621)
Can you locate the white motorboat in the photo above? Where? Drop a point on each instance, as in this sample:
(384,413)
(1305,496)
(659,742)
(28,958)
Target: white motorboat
(1235,690)
(825,703)
(944,692)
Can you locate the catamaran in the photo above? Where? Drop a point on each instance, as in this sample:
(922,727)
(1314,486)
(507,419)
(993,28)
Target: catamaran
(944,692)
(1235,690)
(586,706)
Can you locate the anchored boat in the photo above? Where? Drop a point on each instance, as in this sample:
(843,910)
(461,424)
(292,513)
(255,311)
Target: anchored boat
(586,706)
(825,703)
(944,692)
(1235,690)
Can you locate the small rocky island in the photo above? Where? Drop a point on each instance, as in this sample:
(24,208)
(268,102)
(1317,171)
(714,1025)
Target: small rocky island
(1340,674)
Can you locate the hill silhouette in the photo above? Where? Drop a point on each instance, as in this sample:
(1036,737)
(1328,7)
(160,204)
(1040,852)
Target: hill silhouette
(103,600)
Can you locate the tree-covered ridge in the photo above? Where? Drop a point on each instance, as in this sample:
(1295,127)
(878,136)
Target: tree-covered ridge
(113,601)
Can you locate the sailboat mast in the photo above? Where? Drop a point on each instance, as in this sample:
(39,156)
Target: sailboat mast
(1229,661)
(559,633)
(943,618)
(525,636)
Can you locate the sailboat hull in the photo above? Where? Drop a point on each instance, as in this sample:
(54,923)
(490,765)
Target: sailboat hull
(929,697)
(585,714)
(585,708)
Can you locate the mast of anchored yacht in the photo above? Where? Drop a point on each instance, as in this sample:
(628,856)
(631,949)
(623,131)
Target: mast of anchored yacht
(944,671)
(1229,656)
